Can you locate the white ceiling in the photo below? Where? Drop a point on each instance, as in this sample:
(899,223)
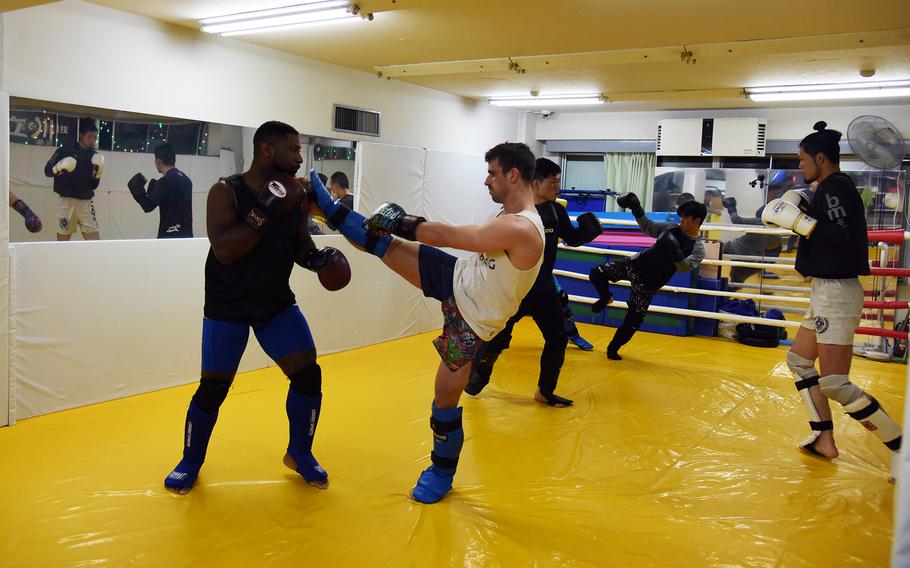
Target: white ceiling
(628,49)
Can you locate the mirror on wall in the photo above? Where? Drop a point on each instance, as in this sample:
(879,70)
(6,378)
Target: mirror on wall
(334,160)
(80,170)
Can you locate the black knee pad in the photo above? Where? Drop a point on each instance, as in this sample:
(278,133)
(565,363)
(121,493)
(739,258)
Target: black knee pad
(307,381)
(211,393)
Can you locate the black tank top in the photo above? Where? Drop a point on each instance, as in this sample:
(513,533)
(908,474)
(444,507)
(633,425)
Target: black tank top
(656,266)
(254,288)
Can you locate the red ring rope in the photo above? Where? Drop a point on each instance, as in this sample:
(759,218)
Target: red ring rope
(882,332)
(886,305)
(896,237)
(891,271)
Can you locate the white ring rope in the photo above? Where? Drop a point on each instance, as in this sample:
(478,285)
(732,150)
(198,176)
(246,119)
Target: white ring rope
(707,262)
(757,229)
(722,316)
(682,290)
(771,259)
(773,287)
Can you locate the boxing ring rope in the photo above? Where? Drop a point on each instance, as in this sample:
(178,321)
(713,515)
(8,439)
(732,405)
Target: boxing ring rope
(886,237)
(683,290)
(771,259)
(723,316)
(707,262)
(772,287)
(892,237)
(896,237)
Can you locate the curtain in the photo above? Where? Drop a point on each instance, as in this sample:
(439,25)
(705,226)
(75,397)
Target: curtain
(630,171)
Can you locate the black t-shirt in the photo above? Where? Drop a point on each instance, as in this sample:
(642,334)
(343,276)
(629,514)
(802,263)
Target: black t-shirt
(655,265)
(254,288)
(81,182)
(838,246)
(556,225)
(173,195)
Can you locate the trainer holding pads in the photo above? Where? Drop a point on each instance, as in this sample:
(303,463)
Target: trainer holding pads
(478,293)
(677,249)
(257,226)
(833,252)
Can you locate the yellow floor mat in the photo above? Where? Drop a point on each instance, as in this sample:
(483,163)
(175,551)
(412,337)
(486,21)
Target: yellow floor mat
(682,454)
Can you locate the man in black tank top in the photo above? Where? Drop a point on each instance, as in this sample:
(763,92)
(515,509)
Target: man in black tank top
(542,303)
(677,249)
(833,251)
(257,226)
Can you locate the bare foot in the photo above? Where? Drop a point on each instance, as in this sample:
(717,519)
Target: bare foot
(820,445)
(553,400)
(179,491)
(291,463)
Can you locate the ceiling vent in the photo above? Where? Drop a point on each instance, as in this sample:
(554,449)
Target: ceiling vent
(355,120)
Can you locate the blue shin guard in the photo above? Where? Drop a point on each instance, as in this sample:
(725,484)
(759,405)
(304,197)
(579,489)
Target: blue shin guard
(303,415)
(448,437)
(348,222)
(197,432)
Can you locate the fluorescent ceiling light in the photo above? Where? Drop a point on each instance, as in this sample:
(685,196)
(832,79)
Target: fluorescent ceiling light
(276,19)
(869,90)
(548,100)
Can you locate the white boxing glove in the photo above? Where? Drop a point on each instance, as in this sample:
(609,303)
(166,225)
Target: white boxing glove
(799,198)
(97,164)
(781,213)
(64,166)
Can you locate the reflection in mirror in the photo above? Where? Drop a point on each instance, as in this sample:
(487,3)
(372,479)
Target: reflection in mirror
(333,159)
(100,173)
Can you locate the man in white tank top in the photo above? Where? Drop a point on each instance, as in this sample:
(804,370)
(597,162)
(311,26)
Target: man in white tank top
(478,293)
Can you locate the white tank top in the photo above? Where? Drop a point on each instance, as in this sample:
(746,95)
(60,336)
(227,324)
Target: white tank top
(488,288)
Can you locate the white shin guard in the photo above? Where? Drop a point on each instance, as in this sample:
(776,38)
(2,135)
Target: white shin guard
(806,377)
(868,412)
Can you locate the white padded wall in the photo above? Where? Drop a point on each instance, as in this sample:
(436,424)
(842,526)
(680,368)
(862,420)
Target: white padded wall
(391,173)
(94,321)
(455,189)
(6,399)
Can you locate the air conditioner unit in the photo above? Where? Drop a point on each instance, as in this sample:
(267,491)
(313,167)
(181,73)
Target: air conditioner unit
(711,137)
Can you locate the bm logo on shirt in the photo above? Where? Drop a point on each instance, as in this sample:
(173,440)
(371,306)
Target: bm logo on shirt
(487,261)
(836,211)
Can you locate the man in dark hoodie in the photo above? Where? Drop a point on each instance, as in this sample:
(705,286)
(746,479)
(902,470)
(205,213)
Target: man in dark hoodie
(677,248)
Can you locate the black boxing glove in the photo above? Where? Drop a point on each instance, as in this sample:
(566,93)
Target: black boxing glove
(730,205)
(390,218)
(136,186)
(630,201)
(589,227)
(278,196)
(330,265)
